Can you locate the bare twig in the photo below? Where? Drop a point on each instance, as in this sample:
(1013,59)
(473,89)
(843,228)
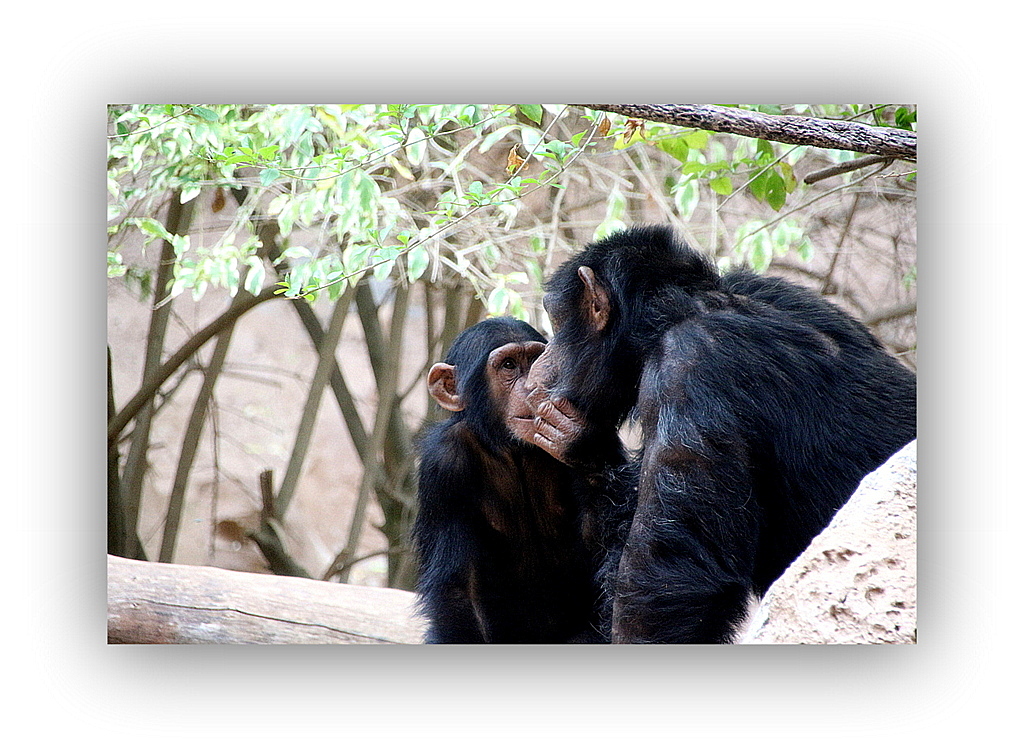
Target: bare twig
(893,312)
(846,167)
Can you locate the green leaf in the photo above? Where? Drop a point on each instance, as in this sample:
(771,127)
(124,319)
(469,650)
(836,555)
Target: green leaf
(904,118)
(337,288)
(181,244)
(721,185)
(189,193)
(557,148)
(677,146)
(356,257)
(206,114)
(607,228)
(775,191)
(495,136)
(115,265)
(151,227)
(694,168)
(255,277)
(788,178)
(278,203)
(231,156)
(760,251)
(497,301)
(696,139)
(416,146)
(515,305)
(806,250)
(687,196)
(418,260)
(757,185)
(534,112)
(269,175)
(765,152)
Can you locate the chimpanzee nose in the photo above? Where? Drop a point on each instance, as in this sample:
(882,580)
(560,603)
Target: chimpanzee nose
(539,374)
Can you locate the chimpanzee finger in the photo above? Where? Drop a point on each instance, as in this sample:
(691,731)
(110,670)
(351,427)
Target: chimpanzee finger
(565,408)
(566,424)
(552,447)
(551,438)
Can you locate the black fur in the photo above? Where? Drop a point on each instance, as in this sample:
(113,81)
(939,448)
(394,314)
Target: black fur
(502,554)
(762,407)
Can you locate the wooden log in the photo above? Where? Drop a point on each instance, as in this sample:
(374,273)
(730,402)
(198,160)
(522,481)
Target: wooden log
(149,603)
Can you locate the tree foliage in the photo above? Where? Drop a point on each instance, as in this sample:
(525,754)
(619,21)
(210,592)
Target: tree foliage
(343,174)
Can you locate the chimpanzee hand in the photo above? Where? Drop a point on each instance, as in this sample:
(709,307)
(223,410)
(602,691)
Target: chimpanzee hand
(557,425)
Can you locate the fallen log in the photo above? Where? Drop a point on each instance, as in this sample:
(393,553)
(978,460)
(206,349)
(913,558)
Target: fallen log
(150,603)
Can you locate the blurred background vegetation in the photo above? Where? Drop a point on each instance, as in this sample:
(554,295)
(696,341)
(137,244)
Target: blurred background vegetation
(280,278)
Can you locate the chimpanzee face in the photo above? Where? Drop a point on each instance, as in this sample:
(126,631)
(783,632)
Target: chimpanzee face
(575,364)
(485,383)
(507,369)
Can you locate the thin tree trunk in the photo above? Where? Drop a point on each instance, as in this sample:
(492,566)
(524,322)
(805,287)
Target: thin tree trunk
(190,442)
(398,481)
(325,366)
(179,218)
(387,389)
(120,540)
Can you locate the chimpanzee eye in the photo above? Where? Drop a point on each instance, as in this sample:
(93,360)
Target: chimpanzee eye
(509,363)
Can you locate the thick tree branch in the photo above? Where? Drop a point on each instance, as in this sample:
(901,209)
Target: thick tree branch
(789,129)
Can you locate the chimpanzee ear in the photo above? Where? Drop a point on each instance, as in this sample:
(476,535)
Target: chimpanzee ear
(596,305)
(442,386)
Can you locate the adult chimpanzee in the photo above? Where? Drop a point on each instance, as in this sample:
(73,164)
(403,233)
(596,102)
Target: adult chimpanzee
(761,405)
(499,531)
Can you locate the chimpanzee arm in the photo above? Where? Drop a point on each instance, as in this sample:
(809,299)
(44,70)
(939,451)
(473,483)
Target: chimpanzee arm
(685,574)
(445,542)
(447,586)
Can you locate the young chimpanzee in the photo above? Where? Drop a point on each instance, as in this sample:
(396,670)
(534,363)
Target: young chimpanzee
(499,530)
(762,406)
